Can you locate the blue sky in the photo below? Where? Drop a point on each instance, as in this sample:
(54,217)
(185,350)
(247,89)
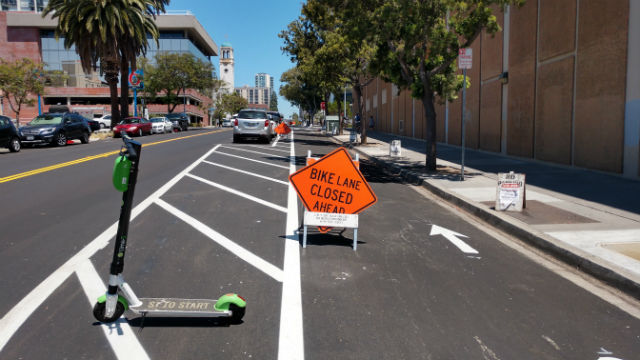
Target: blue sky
(252,27)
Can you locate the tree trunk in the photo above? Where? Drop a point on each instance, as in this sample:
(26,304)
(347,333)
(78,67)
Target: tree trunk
(339,103)
(111,75)
(124,88)
(430,111)
(357,95)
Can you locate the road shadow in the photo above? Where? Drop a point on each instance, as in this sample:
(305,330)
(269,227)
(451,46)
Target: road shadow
(140,322)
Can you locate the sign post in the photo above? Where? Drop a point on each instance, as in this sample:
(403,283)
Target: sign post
(136,83)
(465,60)
(334,187)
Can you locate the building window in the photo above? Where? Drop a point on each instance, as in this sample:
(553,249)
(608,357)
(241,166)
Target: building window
(375,101)
(9,5)
(384,96)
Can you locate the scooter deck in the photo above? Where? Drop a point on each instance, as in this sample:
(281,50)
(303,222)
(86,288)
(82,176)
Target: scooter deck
(174,307)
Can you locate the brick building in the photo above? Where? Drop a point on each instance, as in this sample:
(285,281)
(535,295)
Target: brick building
(560,84)
(27,34)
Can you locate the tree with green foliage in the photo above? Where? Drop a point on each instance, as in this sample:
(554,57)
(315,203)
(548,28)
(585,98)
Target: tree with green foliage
(417,43)
(170,75)
(20,80)
(331,40)
(104,32)
(294,117)
(128,60)
(273,103)
(299,89)
(231,104)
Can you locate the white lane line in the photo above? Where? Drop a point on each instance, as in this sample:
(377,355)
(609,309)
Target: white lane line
(12,321)
(291,341)
(239,193)
(263,148)
(122,338)
(247,172)
(254,160)
(276,142)
(234,248)
(256,152)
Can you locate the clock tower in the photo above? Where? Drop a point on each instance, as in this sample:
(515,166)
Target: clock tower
(226,66)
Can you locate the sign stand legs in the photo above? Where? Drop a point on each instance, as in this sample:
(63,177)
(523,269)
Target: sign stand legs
(355,238)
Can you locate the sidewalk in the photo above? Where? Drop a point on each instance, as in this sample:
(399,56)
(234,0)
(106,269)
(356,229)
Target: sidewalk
(587,219)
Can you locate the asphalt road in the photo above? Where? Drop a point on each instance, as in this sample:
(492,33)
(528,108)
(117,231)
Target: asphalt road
(215,217)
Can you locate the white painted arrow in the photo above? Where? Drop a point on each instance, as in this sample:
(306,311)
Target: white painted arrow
(453,237)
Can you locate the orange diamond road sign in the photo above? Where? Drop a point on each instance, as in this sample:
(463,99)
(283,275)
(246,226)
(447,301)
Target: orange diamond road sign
(333,184)
(283,129)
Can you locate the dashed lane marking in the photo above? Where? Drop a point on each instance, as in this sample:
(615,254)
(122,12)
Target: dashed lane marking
(261,147)
(255,152)
(247,172)
(254,160)
(239,193)
(234,248)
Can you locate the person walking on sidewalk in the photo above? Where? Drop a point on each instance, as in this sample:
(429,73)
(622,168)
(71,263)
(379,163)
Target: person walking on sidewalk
(371,122)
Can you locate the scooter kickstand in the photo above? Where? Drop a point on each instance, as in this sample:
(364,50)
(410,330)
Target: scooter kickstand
(144,315)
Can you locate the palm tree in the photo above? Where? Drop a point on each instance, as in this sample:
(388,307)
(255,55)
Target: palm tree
(128,59)
(105,31)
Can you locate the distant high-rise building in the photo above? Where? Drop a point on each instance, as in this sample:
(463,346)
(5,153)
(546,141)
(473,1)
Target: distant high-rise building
(256,96)
(264,80)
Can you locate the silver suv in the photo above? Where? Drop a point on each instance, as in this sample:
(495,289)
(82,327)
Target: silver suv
(253,124)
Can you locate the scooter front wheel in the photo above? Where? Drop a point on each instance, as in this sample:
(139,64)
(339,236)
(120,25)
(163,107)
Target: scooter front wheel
(99,310)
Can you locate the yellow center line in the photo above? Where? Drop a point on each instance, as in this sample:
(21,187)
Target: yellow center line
(89,158)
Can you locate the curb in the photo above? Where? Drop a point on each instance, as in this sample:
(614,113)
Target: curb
(514,228)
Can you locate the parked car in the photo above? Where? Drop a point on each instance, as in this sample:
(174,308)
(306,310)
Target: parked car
(180,121)
(133,126)
(276,117)
(93,124)
(161,125)
(55,129)
(105,121)
(227,122)
(9,135)
(253,123)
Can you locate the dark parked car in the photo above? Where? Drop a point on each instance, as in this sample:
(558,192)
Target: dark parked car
(93,124)
(275,117)
(180,121)
(9,135)
(55,129)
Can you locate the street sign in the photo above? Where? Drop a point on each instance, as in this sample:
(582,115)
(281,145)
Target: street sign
(465,58)
(333,184)
(135,79)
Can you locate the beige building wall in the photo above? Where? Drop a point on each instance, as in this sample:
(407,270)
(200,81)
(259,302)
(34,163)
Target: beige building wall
(564,96)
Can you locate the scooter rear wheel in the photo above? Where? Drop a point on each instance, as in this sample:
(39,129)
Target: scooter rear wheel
(99,310)
(237,313)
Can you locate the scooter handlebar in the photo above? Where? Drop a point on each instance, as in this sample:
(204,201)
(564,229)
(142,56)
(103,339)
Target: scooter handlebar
(131,146)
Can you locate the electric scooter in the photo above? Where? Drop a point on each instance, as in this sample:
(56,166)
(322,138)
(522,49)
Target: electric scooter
(120,297)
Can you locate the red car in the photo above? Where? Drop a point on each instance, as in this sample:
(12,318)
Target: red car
(134,126)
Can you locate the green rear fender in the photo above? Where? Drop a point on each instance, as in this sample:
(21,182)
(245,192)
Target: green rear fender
(227,299)
(121,169)
(121,300)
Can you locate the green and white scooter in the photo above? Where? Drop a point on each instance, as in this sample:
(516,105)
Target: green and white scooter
(120,297)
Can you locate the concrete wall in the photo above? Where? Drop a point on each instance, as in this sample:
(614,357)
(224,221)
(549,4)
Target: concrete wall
(572,95)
